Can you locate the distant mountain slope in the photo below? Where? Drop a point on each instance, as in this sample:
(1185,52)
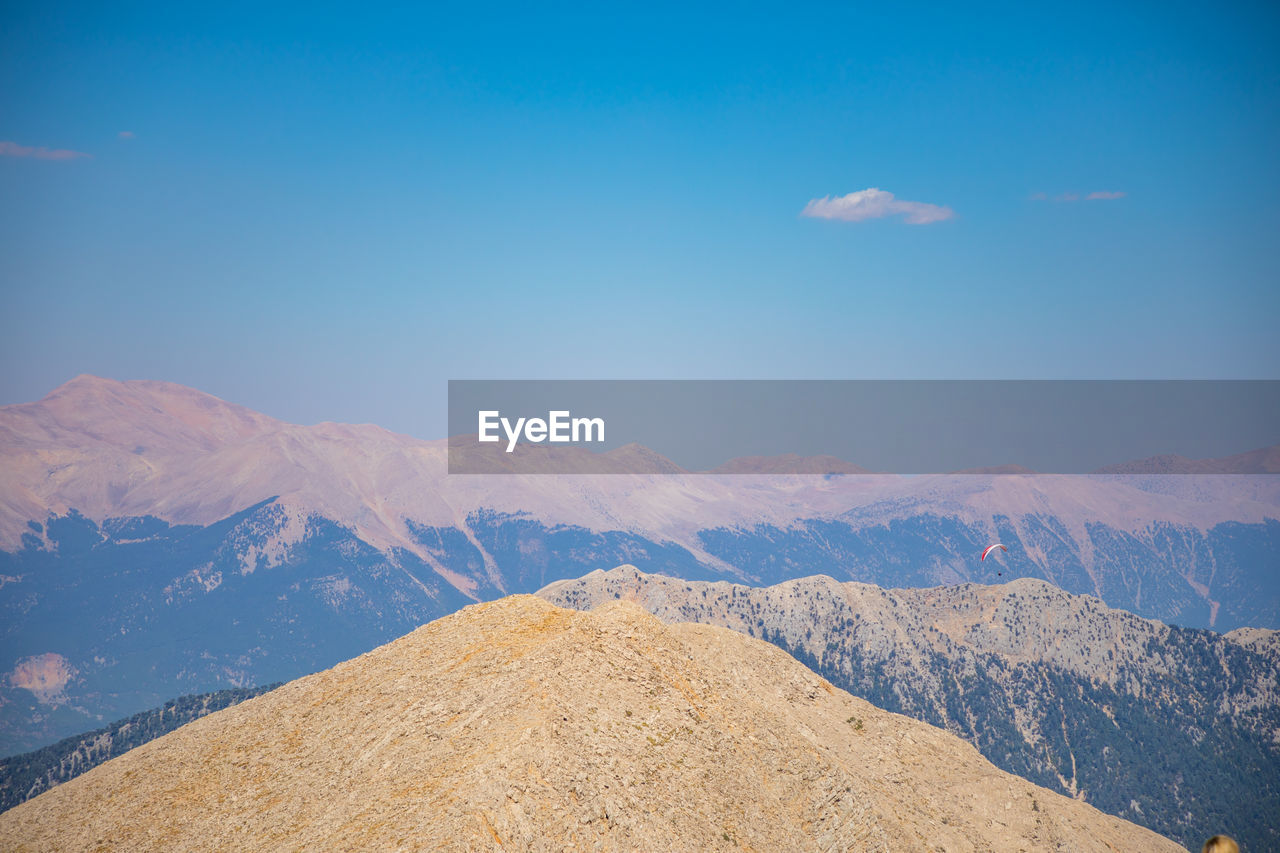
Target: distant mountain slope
(1265,460)
(116,618)
(1175,729)
(25,776)
(157,541)
(123,449)
(520,724)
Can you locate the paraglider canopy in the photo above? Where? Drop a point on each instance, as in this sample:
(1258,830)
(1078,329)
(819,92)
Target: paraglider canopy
(991,548)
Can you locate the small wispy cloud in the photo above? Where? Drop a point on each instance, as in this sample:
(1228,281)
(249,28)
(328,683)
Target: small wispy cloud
(125,134)
(1096,195)
(875,203)
(13,149)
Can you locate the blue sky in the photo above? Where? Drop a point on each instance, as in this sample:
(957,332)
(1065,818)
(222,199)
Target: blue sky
(325,212)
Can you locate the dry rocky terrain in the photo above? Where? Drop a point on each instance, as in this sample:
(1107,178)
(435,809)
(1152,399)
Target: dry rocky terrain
(1175,729)
(520,725)
(1025,620)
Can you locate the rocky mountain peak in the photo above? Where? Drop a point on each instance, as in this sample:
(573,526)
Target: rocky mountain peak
(518,723)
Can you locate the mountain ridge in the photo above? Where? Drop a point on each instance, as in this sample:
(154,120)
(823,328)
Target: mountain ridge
(109,448)
(133,511)
(517,722)
(1176,729)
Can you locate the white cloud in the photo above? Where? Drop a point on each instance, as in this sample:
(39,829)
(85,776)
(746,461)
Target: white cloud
(875,203)
(125,134)
(13,149)
(1096,195)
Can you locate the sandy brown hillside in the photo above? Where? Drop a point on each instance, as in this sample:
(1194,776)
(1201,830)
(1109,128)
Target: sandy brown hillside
(521,725)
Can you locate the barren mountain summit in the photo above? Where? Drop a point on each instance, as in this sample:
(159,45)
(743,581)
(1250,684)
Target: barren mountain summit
(521,725)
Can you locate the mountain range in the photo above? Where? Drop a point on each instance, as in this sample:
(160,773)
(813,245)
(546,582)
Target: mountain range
(1176,729)
(1024,672)
(156,541)
(520,724)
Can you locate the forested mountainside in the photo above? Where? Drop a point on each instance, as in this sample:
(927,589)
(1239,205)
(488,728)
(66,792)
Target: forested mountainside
(31,774)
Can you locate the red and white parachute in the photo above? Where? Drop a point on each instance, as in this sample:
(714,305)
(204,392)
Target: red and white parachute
(991,548)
